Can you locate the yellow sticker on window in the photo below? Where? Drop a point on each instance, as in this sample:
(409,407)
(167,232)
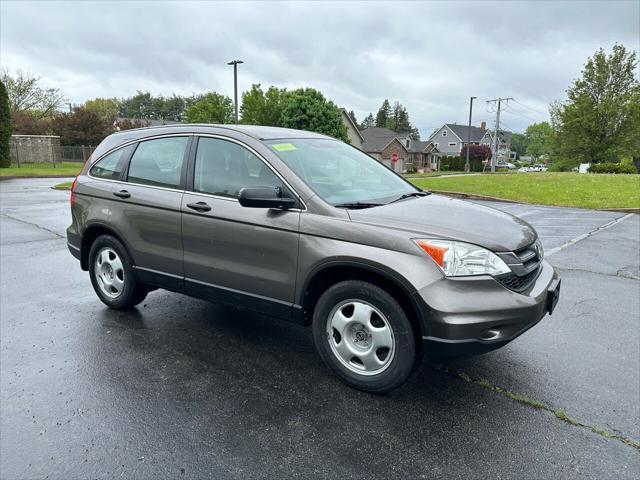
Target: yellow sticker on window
(284,147)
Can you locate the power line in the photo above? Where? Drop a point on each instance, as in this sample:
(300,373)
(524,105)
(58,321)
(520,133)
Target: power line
(494,157)
(530,108)
(512,111)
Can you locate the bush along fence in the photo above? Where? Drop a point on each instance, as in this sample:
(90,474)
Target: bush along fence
(40,150)
(607,167)
(456,164)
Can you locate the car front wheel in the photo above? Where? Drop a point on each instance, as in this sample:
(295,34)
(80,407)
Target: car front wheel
(364,336)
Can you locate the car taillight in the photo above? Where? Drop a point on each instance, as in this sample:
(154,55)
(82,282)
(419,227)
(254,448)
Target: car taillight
(73,187)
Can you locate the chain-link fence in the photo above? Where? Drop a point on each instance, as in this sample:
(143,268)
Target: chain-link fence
(40,156)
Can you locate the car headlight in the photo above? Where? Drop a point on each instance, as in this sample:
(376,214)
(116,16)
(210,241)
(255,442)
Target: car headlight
(460,259)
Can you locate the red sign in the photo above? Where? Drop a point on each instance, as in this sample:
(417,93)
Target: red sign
(394,157)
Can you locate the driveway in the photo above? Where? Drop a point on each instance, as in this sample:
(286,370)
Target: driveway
(182,388)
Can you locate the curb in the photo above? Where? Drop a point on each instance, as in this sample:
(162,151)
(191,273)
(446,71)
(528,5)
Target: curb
(473,196)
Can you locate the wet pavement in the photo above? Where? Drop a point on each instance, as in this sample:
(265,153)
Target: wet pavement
(182,388)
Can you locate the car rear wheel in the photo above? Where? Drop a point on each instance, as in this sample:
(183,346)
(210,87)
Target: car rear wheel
(112,277)
(364,336)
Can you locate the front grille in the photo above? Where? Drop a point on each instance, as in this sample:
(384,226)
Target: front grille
(516,283)
(525,270)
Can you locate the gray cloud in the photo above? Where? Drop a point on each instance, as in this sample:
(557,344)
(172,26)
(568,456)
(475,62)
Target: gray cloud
(430,56)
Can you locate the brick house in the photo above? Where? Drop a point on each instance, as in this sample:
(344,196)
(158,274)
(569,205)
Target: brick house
(382,143)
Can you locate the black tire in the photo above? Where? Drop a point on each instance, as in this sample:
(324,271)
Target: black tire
(403,359)
(133,291)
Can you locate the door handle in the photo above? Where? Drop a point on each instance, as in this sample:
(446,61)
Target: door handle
(122,194)
(199,206)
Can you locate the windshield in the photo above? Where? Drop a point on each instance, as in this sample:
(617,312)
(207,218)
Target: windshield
(339,173)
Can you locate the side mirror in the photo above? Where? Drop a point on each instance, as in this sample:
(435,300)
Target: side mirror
(265,197)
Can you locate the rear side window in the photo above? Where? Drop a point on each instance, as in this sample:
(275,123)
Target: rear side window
(158,162)
(223,168)
(111,166)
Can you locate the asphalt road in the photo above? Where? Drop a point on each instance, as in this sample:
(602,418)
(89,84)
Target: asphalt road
(180,388)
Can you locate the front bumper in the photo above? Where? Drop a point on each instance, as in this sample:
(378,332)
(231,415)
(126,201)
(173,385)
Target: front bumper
(468,316)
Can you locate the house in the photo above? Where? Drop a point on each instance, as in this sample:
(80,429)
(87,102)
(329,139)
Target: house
(352,130)
(385,145)
(451,137)
(505,154)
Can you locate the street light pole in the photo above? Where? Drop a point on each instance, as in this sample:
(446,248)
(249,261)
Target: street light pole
(235,84)
(466,163)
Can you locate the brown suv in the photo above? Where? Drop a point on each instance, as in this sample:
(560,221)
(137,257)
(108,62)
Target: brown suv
(306,228)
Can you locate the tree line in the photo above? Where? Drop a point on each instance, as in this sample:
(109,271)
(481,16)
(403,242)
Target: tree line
(33,110)
(599,122)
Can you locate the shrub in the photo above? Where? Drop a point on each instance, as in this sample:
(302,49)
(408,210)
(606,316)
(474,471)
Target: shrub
(608,167)
(5,127)
(411,168)
(476,152)
(456,164)
(563,166)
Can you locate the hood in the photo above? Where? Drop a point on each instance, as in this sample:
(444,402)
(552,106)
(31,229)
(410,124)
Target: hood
(437,216)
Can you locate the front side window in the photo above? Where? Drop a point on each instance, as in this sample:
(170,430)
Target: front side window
(223,168)
(339,173)
(111,166)
(158,162)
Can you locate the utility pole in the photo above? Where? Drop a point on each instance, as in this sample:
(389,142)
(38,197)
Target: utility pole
(466,163)
(235,84)
(494,157)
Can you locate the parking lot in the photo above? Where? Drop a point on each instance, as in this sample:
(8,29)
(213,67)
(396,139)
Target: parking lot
(182,388)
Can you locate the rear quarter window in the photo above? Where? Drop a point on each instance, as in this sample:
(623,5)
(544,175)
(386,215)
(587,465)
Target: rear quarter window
(111,166)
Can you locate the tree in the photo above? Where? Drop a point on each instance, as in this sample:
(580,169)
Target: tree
(105,108)
(210,108)
(519,144)
(399,122)
(384,114)
(27,122)
(368,122)
(476,152)
(307,109)
(5,127)
(352,116)
(138,106)
(600,120)
(273,106)
(26,95)
(539,139)
(81,127)
(146,106)
(252,110)
(260,108)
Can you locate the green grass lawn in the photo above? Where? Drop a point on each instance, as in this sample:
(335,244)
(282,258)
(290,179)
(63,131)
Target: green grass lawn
(63,186)
(64,169)
(563,189)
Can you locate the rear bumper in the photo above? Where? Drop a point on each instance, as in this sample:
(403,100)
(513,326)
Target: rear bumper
(74,242)
(469,316)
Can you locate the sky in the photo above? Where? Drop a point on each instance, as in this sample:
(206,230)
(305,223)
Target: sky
(429,56)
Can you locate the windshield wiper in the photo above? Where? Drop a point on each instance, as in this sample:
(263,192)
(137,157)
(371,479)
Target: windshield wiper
(355,205)
(410,195)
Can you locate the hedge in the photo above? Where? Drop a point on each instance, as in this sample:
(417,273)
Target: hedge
(456,164)
(608,167)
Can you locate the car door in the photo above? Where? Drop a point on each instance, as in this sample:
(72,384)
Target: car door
(148,214)
(232,253)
